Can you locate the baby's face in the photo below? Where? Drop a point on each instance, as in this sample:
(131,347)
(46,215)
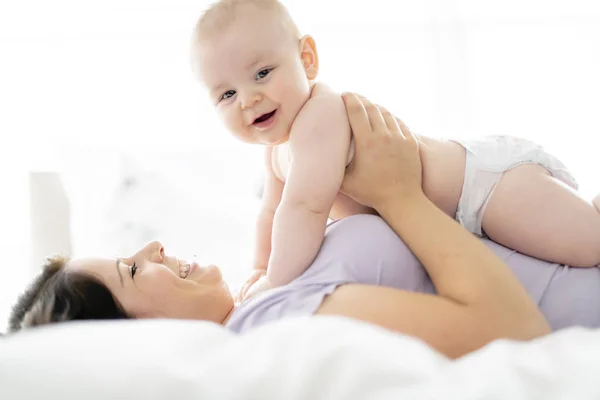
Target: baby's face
(256,79)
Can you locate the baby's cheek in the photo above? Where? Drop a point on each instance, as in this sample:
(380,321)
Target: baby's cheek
(225,118)
(233,123)
(299,92)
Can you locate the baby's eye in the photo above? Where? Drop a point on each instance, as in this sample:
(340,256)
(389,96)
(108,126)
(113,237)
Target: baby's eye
(228,94)
(263,73)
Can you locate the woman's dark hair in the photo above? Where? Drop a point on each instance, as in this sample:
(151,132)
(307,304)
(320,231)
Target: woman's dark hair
(58,295)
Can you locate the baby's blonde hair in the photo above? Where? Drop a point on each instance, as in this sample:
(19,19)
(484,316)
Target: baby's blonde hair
(222,13)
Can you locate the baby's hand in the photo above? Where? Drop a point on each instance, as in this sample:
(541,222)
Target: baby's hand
(256,275)
(260,286)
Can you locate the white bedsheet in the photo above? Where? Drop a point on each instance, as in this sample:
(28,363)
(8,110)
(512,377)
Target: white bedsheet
(308,358)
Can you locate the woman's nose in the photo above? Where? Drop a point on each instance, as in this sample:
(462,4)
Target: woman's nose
(155,251)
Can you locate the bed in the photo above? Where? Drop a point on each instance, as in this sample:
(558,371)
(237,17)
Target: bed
(302,358)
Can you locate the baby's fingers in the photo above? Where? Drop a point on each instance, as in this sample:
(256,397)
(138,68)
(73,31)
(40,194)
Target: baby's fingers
(247,286)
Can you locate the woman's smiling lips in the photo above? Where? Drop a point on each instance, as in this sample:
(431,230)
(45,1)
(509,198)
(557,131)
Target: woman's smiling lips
(185,268)
(192,267)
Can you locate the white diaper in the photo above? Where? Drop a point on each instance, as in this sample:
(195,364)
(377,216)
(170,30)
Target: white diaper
(487,159)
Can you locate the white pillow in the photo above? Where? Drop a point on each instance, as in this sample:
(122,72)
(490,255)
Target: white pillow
(307,358)
(304,358)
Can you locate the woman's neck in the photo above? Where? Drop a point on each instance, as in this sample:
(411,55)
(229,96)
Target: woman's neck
(226,319)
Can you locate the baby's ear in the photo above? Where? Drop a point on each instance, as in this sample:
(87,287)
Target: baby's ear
(309,56)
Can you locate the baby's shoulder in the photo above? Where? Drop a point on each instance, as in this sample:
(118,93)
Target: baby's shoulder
(323,102)
(322,115)
(320,89)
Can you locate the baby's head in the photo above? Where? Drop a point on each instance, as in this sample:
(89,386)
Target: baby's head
(257,68)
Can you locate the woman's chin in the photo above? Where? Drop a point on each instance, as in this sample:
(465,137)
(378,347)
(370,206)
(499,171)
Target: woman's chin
(215,273)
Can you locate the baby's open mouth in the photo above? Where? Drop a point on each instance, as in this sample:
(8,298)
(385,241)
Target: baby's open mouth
(265,117)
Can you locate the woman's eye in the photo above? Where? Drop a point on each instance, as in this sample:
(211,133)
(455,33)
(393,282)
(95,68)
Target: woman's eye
(132,270)
(262,74)
(228,94)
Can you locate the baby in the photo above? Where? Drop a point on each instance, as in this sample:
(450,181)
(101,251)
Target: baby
(260,74)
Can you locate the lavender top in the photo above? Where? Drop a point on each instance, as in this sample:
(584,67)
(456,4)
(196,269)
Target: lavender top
(364,249)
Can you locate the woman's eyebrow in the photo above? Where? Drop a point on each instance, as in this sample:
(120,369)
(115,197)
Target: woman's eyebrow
(119,261)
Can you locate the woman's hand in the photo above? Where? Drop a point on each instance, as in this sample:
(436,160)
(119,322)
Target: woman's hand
(386,165)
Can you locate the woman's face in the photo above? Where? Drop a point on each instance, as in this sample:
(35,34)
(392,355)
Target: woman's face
(151,284)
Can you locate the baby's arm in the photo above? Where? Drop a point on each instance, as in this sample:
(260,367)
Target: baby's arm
(319,145)
(273,188)
(271,197)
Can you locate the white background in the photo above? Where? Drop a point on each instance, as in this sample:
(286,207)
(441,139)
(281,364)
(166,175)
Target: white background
(91,89)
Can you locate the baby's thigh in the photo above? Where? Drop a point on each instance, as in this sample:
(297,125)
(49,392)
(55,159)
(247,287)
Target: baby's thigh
(536,214)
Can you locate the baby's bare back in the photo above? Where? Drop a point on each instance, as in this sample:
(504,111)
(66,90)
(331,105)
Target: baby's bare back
(443,171)
(443,174)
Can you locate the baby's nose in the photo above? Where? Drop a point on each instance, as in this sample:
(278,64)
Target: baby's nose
(250,100)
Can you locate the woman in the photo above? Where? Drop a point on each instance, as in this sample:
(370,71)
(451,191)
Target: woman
(363,271)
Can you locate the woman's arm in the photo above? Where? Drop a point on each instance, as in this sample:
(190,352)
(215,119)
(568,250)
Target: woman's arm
(479,298)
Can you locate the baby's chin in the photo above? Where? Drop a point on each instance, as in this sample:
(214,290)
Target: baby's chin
(278,142)
(262,138)
(274,139)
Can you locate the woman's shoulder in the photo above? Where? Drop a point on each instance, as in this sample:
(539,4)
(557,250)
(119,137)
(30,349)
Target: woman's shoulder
(275,304)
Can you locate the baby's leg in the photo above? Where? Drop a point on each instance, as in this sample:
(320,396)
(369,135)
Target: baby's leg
(538,215)
(596,202)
